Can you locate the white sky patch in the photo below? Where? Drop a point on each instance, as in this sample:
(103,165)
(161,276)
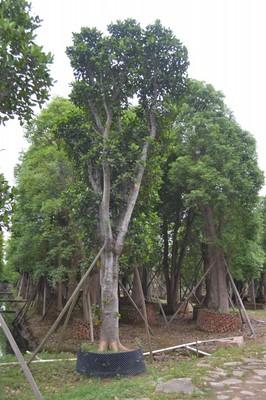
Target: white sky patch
(225,41)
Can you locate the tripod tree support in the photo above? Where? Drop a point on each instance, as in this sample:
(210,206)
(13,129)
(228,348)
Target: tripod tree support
(20,358)
(190,295)
(240,300)
(70,300)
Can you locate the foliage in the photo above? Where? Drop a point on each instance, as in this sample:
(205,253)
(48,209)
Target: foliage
(263,227)
(217,163)
(7,197)
(1,254)
(44,238)
(24,71)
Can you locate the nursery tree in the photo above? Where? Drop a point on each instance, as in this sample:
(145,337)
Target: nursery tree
(177,220)
(44,241)
(24,67)
(217,162)
(148,66)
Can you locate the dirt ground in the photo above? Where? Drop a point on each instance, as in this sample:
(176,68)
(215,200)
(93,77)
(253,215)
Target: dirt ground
(182,330)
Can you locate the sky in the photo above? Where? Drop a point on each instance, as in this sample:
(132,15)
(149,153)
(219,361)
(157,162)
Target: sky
(225,41)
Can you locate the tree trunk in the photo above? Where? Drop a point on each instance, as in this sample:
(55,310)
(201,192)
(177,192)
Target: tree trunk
(171,286)
(72,277)
(114,240)
(85,305)
(136,290)
(172,265)
(109,338)
(217,294)
(264,286)
(147,284)
(60,296)
(95,287)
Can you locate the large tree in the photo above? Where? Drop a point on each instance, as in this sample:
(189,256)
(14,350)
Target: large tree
(44,241)
(148,66)
(217,162)
(24,67)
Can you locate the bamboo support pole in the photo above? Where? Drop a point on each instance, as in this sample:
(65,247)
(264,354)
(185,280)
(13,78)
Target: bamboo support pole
(197,351)
(135,305)
(190,294)
(162,311)
(144,312)
(56,323)
(20,358)
(44,298)
(239,300)
(90,318)
(61,338)
(180,346)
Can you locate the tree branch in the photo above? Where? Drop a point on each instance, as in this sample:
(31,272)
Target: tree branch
(133,195)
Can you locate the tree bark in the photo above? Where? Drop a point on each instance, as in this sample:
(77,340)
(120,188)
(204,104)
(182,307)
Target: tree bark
(60,296)
(95,287)
(109,337)
(85,305)
(217,293)
(173,265)
(264,286)
(136,290)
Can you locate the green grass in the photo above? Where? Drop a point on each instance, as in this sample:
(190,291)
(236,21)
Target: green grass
(59,380)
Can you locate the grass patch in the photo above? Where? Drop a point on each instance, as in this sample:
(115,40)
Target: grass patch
(60,381)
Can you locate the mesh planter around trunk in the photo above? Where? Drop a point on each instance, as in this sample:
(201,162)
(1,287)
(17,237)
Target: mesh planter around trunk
(110,364)
(217,322)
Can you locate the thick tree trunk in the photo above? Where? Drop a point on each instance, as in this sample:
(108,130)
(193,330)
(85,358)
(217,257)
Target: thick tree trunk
(217,293)
(109,338)
(114,240)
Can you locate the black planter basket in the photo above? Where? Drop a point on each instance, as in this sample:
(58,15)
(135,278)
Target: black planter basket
(110,364)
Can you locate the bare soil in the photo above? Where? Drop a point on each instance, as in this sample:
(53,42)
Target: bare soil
(182,330)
